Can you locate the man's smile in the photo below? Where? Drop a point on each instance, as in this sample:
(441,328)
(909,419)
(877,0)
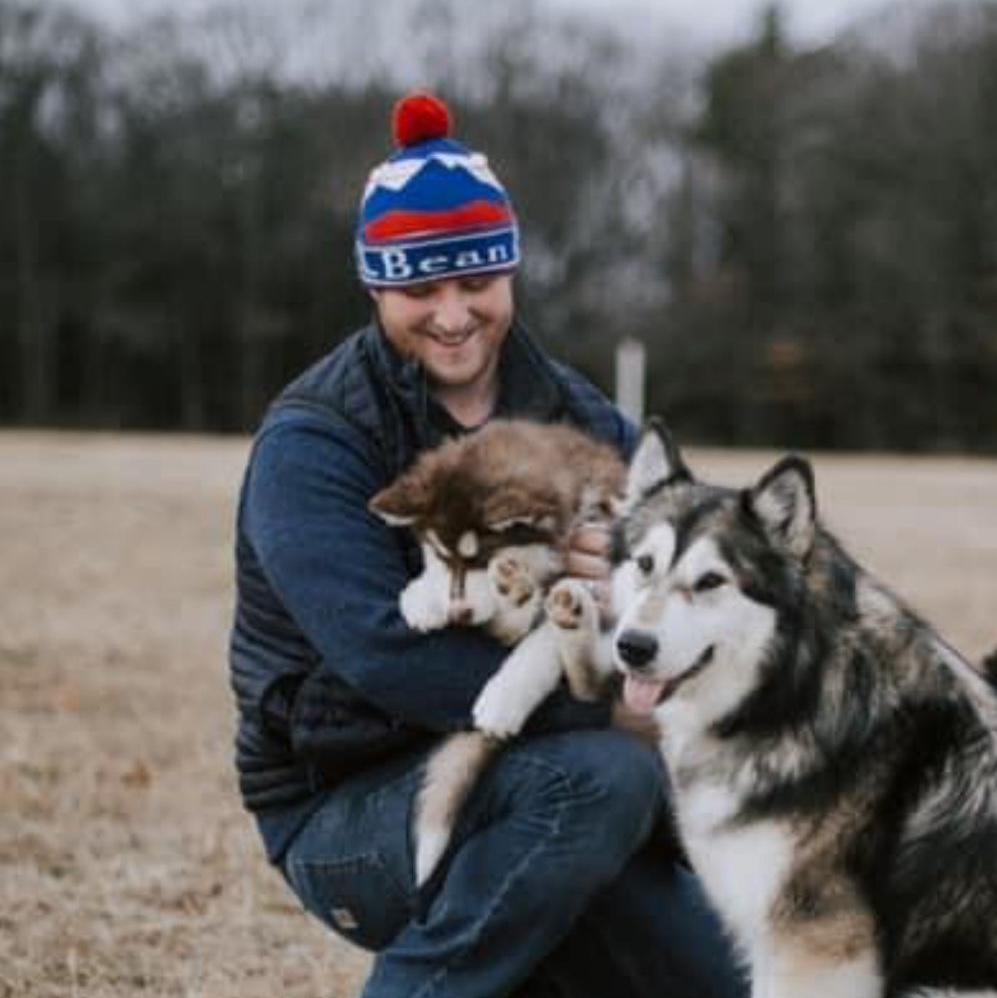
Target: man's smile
(451,339)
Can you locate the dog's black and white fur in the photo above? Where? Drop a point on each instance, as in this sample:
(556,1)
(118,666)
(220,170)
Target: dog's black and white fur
(834,761)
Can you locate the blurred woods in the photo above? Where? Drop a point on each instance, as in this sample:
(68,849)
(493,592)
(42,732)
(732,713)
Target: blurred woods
(805,240)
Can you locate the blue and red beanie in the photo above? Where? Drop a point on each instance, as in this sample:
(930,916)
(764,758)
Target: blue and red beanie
(433,209)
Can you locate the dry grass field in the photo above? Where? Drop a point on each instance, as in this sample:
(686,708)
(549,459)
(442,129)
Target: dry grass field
(127,867)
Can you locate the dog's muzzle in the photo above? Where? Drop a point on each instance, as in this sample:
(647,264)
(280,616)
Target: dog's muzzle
(643,688)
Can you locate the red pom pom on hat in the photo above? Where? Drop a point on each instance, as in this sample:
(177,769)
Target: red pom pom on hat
(420,117)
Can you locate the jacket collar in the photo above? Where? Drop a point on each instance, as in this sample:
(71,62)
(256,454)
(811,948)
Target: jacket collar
(528,384)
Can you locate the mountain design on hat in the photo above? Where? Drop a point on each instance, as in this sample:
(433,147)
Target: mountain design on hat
(434,209)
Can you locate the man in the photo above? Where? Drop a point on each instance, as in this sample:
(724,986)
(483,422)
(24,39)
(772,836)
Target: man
(547,888)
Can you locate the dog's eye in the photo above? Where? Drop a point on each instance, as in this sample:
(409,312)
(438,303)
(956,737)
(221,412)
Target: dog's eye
(708,582)
(645,564)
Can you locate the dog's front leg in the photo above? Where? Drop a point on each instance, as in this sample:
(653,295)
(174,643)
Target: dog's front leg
(585,653)
(528,675)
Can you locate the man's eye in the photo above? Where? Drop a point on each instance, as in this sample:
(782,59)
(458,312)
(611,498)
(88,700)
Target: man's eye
(645,564)
(475,284)
(708,582)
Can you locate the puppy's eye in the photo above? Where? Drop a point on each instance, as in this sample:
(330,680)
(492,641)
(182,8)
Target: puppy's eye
(708,582)
(645,564)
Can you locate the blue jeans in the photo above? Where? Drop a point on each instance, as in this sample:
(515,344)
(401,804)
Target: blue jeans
(546,890)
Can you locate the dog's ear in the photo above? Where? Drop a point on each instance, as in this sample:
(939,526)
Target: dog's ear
(512,507)
(401,503)
(785,501)
(989,666)
(656,460)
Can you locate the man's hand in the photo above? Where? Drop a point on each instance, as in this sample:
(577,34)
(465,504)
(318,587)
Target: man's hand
(587,559)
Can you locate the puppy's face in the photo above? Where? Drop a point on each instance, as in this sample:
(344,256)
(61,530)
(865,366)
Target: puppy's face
(462,520)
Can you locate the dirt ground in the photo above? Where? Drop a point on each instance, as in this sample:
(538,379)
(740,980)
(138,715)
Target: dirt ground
(127,866)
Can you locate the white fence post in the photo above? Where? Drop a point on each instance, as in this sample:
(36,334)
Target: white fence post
(630,366)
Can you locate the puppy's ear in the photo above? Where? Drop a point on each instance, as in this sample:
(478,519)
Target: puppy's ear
(512,507)
(785,501)
(657,460)
(401,503)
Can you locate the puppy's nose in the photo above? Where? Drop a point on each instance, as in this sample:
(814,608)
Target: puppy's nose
(460,614)
(637,648)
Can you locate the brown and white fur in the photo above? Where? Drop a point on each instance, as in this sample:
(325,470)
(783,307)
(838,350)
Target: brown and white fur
(493,512)
(833,760)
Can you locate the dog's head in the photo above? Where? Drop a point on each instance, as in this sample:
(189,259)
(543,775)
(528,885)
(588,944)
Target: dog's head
(701,574)
(466,501)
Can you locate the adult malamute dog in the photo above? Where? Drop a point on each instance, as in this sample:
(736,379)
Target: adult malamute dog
(493,512)
(834,761)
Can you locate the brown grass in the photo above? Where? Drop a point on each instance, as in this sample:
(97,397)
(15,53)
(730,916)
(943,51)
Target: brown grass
(127,866)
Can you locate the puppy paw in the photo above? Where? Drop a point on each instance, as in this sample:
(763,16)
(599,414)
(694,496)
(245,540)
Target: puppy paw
(571,607)
(421,612)
(499,712)
(511,580)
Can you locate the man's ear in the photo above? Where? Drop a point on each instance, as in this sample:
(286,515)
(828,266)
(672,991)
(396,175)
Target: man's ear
(401,503)
(785,502)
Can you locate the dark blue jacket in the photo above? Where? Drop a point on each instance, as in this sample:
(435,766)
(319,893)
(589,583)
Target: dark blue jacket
(328,677)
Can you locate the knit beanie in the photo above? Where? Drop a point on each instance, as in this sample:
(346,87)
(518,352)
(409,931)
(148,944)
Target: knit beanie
(434,208)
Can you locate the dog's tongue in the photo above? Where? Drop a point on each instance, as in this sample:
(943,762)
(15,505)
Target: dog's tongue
(642,695)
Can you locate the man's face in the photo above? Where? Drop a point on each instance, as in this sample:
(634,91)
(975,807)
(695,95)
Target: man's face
(455,327)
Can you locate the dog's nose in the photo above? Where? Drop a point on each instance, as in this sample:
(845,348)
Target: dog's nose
(637,648)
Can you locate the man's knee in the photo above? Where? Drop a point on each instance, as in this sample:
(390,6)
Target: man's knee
(607,786)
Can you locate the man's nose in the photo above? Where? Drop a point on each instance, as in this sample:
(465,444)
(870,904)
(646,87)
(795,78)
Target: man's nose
(452,314)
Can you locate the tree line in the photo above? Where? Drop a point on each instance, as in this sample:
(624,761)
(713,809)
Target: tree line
(805,239)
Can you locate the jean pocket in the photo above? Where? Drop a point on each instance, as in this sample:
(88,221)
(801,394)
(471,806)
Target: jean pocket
(357,897)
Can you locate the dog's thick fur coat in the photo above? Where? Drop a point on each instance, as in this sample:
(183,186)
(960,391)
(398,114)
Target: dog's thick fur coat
(834,761)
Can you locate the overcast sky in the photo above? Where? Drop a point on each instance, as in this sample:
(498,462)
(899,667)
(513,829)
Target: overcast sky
(710,20)
(729,20)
